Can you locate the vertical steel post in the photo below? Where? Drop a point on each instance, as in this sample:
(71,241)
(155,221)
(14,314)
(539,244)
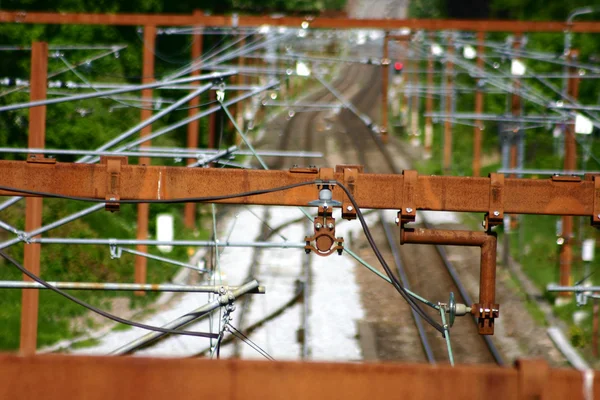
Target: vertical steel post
(416,99)
(516,111)
(143,209)
(33,205)
(240,79)
(478,107)
(595,325)
(385,71)
(193,128)
(429,102)
(570,163)
(448,123)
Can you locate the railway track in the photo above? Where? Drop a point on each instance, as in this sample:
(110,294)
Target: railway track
(426,269)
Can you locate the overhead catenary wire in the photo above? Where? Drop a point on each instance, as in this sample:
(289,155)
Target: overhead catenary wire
(95,309)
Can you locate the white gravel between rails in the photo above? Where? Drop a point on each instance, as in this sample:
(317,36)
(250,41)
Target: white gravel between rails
(334,303)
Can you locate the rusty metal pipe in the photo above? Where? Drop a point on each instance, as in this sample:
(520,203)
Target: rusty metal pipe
(487,309)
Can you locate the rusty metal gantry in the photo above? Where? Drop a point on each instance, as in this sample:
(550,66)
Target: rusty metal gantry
(150,22)
(116,181)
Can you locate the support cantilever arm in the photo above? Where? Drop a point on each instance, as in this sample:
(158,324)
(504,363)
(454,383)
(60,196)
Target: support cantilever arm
(377,191)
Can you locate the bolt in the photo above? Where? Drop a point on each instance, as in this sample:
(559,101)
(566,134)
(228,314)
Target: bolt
(409,210)
(349,208)
(397,221)
(483,223)
(330,225)
(496,213)
(598,216)
(318,226)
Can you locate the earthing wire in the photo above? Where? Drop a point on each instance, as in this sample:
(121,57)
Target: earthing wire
(388,280)
(205,199)
(134,143)
(217,256)
(266,223)
(251,345)
(543,98)
(248,341)
(199,63)
(84,80)
(251,148)
(395,282)
(165,58)
(200,60)
(53,74)
(446,335)
(245,50)
(94,309)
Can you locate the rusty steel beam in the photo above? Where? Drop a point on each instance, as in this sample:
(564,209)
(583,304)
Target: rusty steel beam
(570,163)
(24,17)
(141,263)
(33,206)
(487,309)
(555,196)
(429,102)
(477,130)
(193,128)
(59,377)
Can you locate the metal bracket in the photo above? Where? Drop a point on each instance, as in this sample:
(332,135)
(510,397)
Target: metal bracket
(113,181)
(40,159)
(408,212)
(495,215)
(350,176)
(324,238)
(485,314)
(115,251)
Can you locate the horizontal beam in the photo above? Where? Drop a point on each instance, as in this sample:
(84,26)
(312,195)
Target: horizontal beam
(554,196)
(55,377)
(24,17)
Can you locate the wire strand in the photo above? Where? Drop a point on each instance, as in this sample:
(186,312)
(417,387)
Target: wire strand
(97,310)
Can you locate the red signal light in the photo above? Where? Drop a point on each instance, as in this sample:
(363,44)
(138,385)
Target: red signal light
(398,66)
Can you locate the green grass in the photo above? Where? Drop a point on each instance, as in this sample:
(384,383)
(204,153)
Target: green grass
(81,263)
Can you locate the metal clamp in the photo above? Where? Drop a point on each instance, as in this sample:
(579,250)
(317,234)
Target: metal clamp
(495,215)
(113,181)
(485,314)
(350,177)
(408,212)
(324,237)
(115,251)
(40,159)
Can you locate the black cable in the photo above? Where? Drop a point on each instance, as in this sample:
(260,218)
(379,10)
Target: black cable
(97,310)
(250,343)
(166,201)
(219,340)
(395,282)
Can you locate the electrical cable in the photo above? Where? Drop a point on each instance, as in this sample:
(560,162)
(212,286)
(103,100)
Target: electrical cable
(395,282)
(166,201)
(97,310)
(250,343)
